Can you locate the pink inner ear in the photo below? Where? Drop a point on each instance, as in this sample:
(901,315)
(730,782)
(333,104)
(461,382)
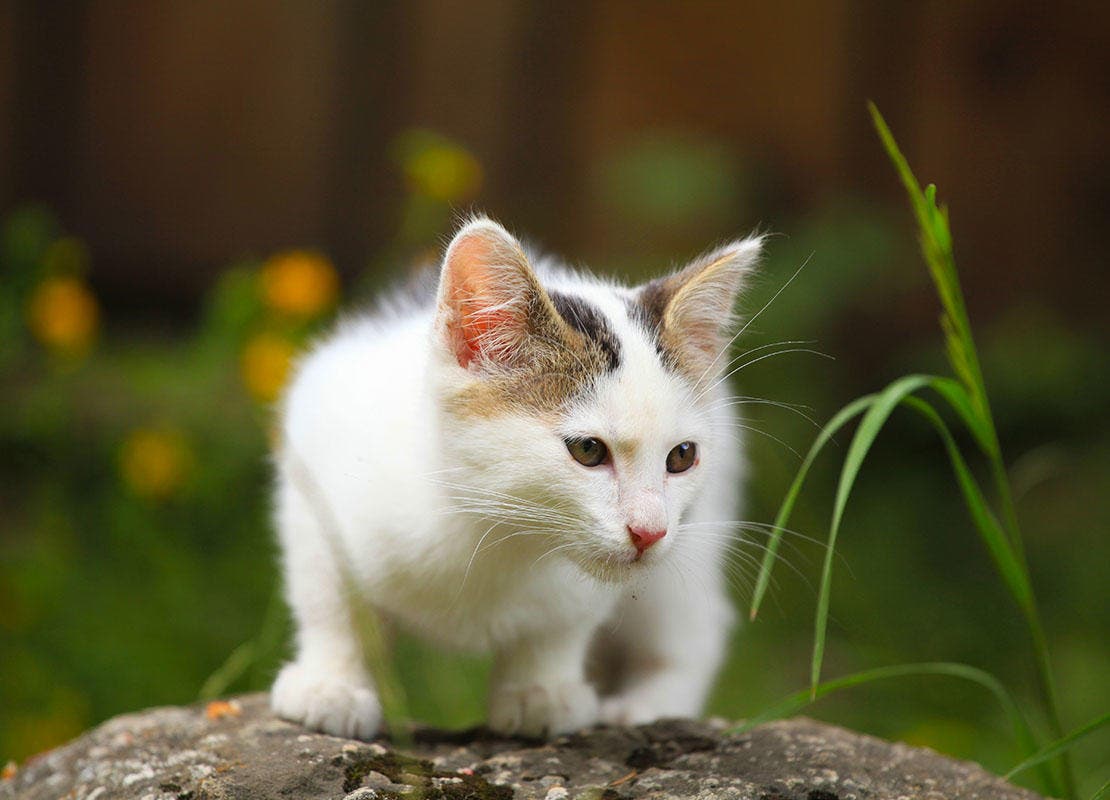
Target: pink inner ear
(474,333)
(472,297)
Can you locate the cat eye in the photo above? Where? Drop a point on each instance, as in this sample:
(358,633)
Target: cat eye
(588,451)
(682,457)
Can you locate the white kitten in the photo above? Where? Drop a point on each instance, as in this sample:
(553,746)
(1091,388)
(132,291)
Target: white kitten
(537,463)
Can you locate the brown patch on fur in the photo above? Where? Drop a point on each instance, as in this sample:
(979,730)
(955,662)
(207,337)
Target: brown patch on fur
(672,343)
(588,320)
(648,308)
(519,348)
(558,364)
(684,315)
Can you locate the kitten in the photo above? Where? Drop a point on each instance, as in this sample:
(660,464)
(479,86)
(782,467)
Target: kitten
(538,464)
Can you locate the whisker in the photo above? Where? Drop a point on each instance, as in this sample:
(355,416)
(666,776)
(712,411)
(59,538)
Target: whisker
(765,346)
(553,550)
(747,364)
(743,401)
(769,529)
(754,317)
(771,436)
(470,563)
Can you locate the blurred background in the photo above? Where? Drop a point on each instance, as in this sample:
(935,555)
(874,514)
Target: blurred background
(189,191)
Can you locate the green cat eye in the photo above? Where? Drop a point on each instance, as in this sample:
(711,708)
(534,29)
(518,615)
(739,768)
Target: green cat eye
(588,451)
(682,457)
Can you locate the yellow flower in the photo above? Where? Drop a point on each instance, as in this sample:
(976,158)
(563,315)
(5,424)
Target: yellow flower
(300,283)
(444,172)
(62,314)
(265,364)
(155,462)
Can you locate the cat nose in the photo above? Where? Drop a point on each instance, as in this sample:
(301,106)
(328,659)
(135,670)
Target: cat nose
(643,538)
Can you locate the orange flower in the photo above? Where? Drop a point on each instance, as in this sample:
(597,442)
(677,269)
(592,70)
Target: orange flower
(300,283)
(62,314)
(155,462)
(264,365)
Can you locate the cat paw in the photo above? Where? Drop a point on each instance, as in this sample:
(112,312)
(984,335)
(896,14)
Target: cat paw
(542,711)
(626,710)
(346,708)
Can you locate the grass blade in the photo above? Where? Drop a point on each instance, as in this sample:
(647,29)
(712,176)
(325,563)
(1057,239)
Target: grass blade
(934,236)
(799,700)
(1006,560)
(880,409)
(1053,749)
(936,246)
(994,537)
(240,660)
(960,401)
(1103,792)
(831,427)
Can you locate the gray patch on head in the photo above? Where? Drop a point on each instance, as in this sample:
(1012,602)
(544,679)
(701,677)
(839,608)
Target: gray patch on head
(588,320)
(646,308)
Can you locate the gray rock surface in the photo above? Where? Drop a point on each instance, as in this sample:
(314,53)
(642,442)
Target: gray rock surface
(241,752)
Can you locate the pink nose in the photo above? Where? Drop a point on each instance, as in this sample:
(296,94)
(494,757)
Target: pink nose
(642,538)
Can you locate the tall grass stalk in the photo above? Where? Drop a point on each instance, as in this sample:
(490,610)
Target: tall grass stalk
(965,396)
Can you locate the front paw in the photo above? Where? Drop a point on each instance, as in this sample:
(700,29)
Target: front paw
(324,702)
(542,711)
(667,696)
(627,710)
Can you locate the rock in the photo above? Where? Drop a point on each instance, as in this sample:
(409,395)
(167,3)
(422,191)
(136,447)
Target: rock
(239,751)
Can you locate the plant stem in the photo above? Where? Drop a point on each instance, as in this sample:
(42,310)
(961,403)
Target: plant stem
(936,246)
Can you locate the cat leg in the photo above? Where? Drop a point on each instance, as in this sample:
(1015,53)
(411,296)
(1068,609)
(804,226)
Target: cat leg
(327,686)
(326,691)
(673,636)
(538,687)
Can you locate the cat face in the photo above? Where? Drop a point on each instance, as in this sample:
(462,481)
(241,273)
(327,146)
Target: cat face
(580,411)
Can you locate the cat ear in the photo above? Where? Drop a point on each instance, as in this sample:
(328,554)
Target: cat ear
(693,309)
(488,295)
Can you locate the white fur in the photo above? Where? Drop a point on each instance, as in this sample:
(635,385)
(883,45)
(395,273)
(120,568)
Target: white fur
(484,534)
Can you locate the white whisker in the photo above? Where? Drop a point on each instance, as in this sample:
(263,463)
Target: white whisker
(753,318)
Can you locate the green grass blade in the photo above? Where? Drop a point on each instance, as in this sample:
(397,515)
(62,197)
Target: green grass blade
(991,531)
(961,402)
(250,655)
(878,412)
(1053,749)
(1103,792)
(270,640)
(1010,565)
(913,188)
(842,417)
(799,700)
(936,247)
(233,668)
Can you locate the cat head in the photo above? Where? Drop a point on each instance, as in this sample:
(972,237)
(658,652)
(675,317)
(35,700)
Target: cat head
(583,411)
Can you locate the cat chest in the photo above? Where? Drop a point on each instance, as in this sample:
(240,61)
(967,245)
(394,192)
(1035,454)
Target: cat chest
(493,603)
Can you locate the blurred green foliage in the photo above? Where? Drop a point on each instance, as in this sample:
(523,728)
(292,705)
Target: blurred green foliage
(136,554)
